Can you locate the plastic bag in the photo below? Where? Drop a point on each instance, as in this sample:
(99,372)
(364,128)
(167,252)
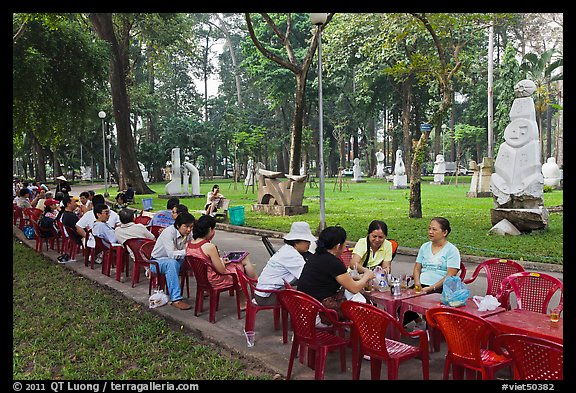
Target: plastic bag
(28,232)
(486,303)
(454,292)
(158,299)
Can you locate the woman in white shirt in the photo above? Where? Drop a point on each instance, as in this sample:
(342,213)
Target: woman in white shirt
(286,264)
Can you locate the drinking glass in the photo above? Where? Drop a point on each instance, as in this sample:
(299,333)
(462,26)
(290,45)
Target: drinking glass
(417,288)
(555,315)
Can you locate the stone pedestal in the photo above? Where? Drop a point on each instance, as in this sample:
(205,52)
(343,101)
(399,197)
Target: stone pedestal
(399,182)
(480,184)
(525,220)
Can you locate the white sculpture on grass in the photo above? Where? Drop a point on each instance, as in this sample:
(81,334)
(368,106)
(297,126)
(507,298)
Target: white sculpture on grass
(400,177)
(174,187)
(249,181)
(380,174)
(551,172)
(356,170)
(144,172)
(439,169)
(517,182)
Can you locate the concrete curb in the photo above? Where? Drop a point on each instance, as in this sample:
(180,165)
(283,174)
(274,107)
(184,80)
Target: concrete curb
(537,266)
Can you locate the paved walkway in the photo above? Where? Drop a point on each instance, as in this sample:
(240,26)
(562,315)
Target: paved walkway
(228,329)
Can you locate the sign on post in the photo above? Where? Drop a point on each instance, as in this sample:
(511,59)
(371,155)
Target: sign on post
(425,127)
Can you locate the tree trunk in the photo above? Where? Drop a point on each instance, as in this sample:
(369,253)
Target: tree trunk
(118,48)
(415,178)
(296,142)
(406,104)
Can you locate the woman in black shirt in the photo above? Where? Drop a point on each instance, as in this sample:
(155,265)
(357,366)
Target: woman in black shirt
(324,276)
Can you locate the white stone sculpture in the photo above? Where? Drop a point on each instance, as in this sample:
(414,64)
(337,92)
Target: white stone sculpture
(517,182)
(174,186)
(380,165)
(517,169)
(551,172)
(357,172)
(439,169)
(190,171)
(144,172)
(400,177)
(86,172)
(249,180)
(480,183)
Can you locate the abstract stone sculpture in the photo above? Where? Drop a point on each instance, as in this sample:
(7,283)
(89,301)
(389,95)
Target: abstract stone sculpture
(380,174)
(439,169)
(551,172)
(280,198)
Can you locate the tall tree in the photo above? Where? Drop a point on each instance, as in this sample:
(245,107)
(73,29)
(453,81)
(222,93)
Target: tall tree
(298,67)
(119,40)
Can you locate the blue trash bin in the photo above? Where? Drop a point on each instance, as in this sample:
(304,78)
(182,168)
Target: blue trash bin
(236,214)
(147,204)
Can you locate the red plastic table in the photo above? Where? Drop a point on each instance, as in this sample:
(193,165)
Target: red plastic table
(530,323)
(421,304)
(391,304)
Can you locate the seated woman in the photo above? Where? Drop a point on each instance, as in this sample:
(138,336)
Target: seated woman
(436,259)
(201,247)
(286,264)
(373,250)
(129,193)
(121,202)
(212,200)
(325,277)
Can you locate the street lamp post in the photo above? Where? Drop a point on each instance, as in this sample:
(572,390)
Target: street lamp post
(319,19)
(102,115)
(109,137)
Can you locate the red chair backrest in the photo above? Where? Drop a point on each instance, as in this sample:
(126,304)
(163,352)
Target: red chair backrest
(303,310)
(346,257)
(496,271)
(155,230)
(146,249)
(533,291)
(394,247)
(466,334)
(200,269)
(134,245)
(33,213)
(534,358)
(371,324)
(247,285)
(142,219)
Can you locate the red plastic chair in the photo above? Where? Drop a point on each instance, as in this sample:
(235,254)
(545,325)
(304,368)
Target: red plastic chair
(303,310)
(115,255)
(134,245)
(18,216)
(72,246)
(248,286)
(157,280)
(142,219)
(33,213)
(369,328)
(468,338)
(62,234)
(496,270)
(203,284)
(140,262)
(155,230)
(533,358)
(45,235)
(99,247)
(533,291)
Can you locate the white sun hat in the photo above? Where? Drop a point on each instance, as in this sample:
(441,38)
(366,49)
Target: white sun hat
(61,178)
(300,230)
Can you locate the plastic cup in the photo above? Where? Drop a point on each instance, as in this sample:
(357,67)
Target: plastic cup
(249,338)
(555,315)
(417,289)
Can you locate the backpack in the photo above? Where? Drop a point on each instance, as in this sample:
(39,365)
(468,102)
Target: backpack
(46,222)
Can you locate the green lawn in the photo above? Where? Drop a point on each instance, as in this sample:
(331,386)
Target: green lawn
(65,327)
(359,203)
